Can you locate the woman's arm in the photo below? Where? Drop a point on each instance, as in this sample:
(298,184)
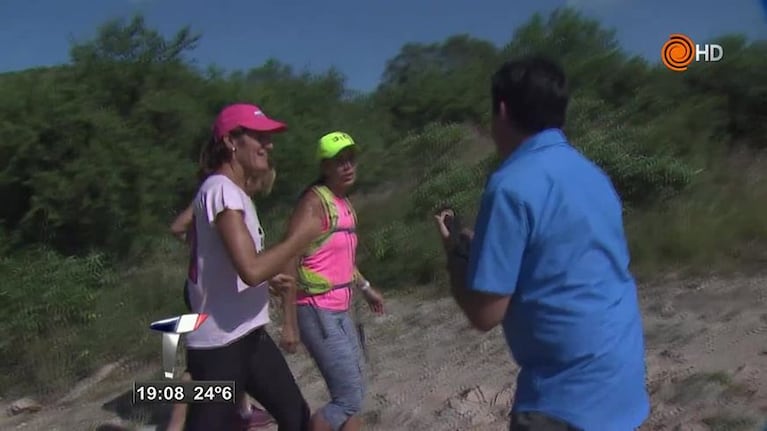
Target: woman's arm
(255,268)
(289,337)
(308,211)
(359,279)
(182,223)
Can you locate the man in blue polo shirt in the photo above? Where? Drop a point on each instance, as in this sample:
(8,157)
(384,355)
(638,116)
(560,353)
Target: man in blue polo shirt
(549,261)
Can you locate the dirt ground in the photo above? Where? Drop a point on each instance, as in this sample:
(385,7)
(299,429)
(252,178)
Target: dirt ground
(706,357)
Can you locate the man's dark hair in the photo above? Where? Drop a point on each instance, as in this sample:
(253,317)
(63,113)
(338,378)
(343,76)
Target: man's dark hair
(534,90)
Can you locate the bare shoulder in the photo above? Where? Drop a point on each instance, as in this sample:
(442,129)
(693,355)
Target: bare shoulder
(308,207)
(310,201)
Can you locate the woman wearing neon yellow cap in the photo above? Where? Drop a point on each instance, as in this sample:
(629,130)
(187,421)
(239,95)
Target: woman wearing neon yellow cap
(326,274)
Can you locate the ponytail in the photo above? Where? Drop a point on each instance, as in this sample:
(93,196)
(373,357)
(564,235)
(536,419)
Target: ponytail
(213,154)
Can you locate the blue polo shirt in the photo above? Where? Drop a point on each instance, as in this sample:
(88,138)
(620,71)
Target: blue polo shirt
(550,234)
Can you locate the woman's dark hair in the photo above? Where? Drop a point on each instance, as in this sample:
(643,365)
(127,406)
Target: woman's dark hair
(214,154)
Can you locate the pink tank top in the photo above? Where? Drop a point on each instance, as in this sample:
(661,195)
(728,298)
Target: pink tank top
(334,260)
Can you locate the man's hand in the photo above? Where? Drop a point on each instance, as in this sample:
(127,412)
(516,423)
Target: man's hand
(289,339)
(281,283)
(465,236)
(375,300)
(440,219)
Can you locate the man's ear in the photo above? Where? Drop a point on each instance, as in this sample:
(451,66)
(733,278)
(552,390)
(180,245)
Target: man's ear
(503,111)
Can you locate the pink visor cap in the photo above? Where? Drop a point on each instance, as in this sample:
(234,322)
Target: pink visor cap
(246,116)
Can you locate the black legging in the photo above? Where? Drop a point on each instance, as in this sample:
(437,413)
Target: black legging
(256,365)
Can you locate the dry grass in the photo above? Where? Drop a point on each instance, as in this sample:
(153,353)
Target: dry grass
(719,227)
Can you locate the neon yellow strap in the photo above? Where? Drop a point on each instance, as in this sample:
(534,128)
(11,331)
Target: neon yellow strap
(309,281)
(326,199)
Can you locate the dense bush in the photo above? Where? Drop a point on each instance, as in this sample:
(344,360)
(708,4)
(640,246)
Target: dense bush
(43,293)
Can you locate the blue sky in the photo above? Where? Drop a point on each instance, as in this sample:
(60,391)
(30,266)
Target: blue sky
(355,36)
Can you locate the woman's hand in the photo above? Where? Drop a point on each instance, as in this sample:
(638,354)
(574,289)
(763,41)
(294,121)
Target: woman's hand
(374,299)
(281,283)
(289,339)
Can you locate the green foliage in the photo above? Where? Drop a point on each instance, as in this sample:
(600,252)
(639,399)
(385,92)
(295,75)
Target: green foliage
(43,292)
(60,293)
(98,140)
(642,174)
(399,251)
(438,82)
(65,316)
(446,178)
(97,156)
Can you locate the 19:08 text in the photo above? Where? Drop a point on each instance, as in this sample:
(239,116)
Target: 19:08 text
(173,391)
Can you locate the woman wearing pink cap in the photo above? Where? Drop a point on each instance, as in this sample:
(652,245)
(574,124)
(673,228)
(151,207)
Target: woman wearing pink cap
(253,417)
(229,278)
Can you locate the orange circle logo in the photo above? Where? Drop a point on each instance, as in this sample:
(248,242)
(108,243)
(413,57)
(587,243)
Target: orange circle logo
(677,53)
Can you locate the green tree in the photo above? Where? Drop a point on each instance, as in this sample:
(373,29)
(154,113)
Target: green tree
(445,81)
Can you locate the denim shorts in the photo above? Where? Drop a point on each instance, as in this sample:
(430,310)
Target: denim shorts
(333,342)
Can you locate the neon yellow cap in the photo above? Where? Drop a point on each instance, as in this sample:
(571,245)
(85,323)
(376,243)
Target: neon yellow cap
(332,144)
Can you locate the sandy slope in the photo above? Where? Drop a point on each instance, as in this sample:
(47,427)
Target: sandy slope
(706,355)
